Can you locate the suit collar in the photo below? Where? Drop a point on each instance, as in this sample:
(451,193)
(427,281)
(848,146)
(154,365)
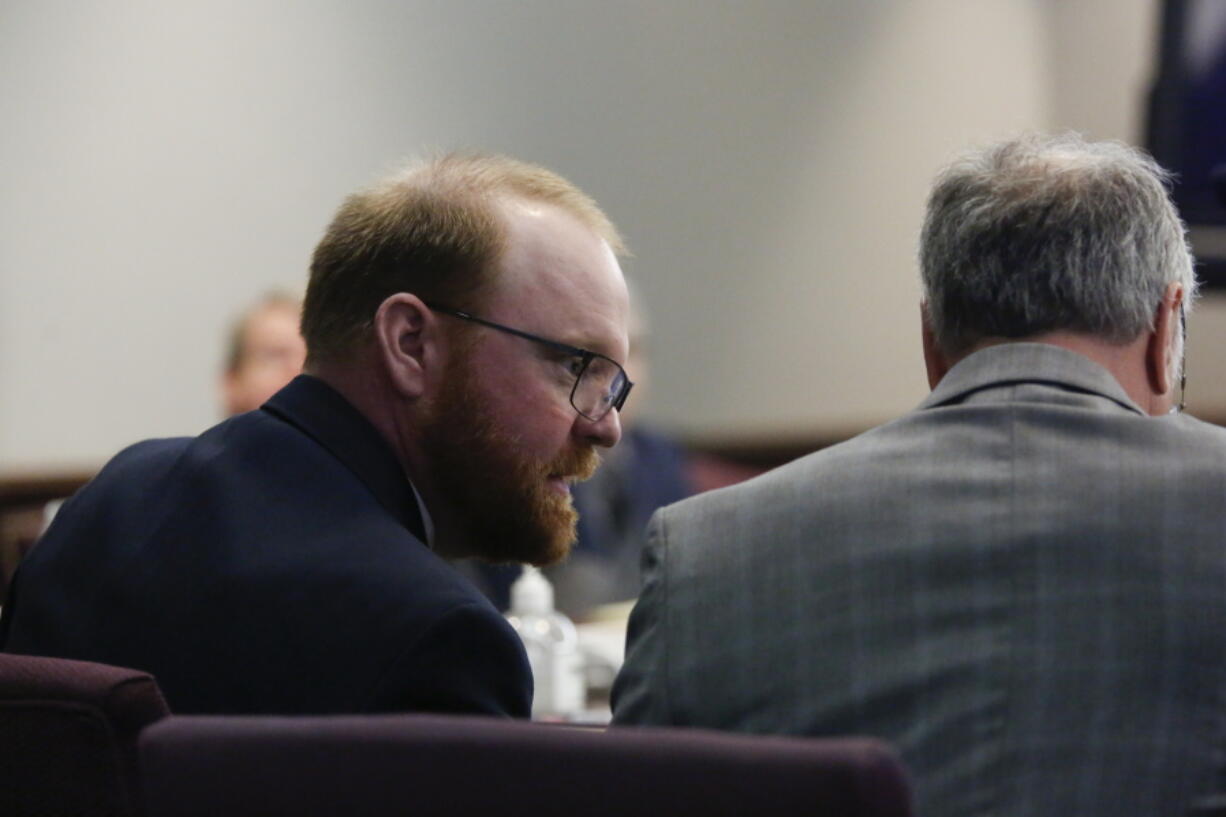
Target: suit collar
(1013,363)
(319,411)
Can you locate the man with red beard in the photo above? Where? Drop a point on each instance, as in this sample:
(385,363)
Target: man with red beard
(465,323)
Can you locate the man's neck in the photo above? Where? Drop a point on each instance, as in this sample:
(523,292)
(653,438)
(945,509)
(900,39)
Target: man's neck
(357,381)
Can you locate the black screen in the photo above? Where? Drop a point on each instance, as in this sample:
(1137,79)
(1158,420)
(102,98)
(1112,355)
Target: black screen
(1187,119)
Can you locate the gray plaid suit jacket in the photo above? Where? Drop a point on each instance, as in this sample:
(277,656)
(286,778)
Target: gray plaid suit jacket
(1022,584)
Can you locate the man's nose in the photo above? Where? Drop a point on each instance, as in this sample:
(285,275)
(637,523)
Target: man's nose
(604,432)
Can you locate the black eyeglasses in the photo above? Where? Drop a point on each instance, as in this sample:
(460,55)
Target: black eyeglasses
(600,382)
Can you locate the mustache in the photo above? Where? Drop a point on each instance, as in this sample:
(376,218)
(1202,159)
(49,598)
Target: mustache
(577,465)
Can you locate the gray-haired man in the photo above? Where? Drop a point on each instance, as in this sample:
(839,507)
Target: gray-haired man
(1022,583)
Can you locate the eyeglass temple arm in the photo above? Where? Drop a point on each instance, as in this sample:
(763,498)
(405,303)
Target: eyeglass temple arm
(519,333)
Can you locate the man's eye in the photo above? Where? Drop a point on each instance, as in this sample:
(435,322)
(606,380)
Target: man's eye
(574,365)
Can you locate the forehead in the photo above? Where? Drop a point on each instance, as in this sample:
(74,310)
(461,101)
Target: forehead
(272,321)
(559,279)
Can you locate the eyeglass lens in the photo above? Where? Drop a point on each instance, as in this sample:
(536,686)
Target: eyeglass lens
(598,388)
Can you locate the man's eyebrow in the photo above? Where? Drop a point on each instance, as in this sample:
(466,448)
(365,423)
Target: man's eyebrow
(594,347)
(575,341)
(561,347)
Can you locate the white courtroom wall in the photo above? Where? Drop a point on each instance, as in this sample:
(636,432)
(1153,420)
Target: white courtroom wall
(167,162)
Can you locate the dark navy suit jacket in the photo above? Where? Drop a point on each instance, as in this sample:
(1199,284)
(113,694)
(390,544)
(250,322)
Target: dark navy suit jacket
(274,564)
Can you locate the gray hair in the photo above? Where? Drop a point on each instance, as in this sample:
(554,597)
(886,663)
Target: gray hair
(1039,233)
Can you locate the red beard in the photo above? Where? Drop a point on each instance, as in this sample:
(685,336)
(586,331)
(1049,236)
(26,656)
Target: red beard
(505,499)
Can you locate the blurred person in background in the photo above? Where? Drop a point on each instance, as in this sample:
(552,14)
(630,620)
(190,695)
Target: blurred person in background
(264,351)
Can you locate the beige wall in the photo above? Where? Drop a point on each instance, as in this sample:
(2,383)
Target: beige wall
(795,297)
(166,162)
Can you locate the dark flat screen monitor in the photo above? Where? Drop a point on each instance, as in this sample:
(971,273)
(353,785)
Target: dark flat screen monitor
(1186,129)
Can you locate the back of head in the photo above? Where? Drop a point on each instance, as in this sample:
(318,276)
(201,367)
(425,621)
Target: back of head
(1042,234)
(433,229)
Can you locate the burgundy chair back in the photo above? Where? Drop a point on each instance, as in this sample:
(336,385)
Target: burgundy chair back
(68,732)
(372,766)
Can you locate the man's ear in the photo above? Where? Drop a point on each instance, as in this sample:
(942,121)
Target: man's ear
(1164,347)
(934,359)
(403,341)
